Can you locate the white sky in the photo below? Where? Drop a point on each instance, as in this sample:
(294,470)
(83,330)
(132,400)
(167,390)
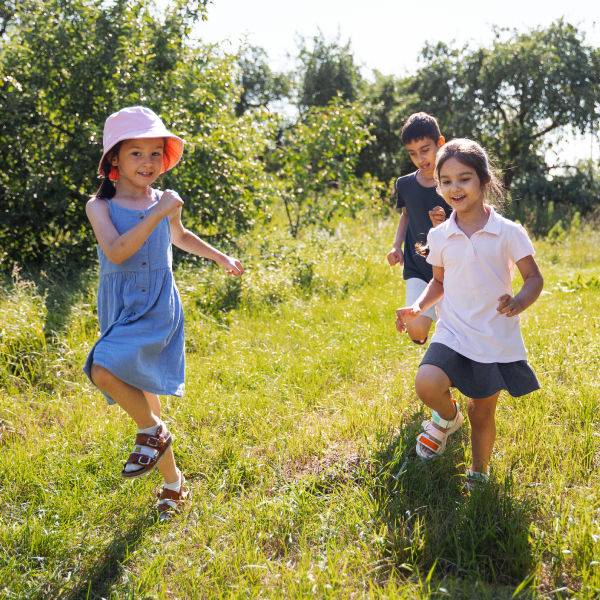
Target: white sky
(387,35)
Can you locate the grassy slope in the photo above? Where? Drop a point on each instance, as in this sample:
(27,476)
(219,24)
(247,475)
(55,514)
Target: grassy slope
(297,432)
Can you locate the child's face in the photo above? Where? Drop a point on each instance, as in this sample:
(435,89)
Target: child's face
(423,153)
(140,161)
(460,186)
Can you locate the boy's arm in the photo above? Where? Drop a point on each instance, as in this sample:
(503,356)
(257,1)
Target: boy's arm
(395,256)
(190,242)
(533,282)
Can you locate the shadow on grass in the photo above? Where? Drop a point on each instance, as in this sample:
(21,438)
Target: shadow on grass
(97,580)
(62,289)
(434,523)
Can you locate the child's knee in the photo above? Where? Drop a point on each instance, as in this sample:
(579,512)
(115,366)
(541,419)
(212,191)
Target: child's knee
(431,382)
(480,416)
(101,376)
(418,330)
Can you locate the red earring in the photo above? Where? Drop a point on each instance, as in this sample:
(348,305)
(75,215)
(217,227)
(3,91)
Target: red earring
(114,174)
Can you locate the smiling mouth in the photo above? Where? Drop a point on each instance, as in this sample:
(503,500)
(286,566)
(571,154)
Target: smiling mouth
(458,198)
(425,167)
(144,174)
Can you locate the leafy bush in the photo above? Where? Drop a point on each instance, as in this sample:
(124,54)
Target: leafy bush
(64,67)
(316,156)
(542,203)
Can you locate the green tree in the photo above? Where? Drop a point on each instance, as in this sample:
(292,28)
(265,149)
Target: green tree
(388,105)
(8,10)
(541,202)
(65,65)
(259,84)
(514,94)
(317,156)
(326,70)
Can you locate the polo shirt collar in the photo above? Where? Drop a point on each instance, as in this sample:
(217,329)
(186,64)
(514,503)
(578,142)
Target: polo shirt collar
(493,225)
(451,227)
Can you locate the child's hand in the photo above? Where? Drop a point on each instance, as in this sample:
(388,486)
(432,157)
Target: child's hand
(169,202)
(406,315)
(509,306)
(395,257)
(232,265)
(437,216)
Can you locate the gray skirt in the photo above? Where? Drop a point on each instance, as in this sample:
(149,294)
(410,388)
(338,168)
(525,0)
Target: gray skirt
(481,380)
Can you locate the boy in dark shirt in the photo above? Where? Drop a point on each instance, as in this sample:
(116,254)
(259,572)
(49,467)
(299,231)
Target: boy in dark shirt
(417,198)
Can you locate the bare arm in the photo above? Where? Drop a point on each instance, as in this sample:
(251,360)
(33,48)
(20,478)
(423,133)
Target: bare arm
(533,283)
(395,256)
(118,248)
(189,242)
(432,294)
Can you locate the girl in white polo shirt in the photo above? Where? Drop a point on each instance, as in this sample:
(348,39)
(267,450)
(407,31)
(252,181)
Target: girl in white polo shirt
(477,346)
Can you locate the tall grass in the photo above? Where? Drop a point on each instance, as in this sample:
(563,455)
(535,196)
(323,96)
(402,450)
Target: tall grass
(297,435)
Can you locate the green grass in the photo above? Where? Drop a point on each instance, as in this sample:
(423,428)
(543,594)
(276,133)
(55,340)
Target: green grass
(297,435)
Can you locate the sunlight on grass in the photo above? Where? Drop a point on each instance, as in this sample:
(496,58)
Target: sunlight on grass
(297,432)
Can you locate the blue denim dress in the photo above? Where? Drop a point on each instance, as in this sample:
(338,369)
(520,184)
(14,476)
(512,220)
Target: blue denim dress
(140,313)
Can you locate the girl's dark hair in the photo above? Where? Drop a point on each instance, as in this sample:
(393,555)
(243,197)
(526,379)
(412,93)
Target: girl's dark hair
(470,154)
(107,189)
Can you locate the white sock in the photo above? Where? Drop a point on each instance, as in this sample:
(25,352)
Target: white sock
(175,487)
(149,430)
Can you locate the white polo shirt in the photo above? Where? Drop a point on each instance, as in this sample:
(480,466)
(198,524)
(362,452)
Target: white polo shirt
(477,272)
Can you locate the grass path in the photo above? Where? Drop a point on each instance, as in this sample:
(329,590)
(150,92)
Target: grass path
(297,432)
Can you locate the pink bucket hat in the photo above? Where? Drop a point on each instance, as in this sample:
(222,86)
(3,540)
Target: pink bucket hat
(137,122)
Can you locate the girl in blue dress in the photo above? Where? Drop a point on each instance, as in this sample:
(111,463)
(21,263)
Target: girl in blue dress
(140,353)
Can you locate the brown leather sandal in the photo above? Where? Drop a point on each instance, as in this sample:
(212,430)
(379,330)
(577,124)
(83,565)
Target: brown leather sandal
(159,442)
(170,503)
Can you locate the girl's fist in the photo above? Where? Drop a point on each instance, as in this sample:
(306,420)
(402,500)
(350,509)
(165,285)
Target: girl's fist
(169,202)
(437,216)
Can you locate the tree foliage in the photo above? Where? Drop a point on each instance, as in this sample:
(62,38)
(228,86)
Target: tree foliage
(512,95)
(65,65)
(325,70)
(317,156)
(541,201)
(8,11)
(260,85)
(388,105)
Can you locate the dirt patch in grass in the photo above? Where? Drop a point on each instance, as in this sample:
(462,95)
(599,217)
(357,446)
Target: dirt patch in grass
(344,460)
(550,582)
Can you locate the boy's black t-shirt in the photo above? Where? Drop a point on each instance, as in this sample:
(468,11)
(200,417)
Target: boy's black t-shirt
(418,200)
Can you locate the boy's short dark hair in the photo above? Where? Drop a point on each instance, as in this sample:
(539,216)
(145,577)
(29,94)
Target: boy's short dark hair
(419,126)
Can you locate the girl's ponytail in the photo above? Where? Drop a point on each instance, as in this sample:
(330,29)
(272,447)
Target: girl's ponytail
(422,249)
(107,189)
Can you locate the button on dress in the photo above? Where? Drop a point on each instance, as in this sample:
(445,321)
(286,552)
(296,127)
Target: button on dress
(140,313)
